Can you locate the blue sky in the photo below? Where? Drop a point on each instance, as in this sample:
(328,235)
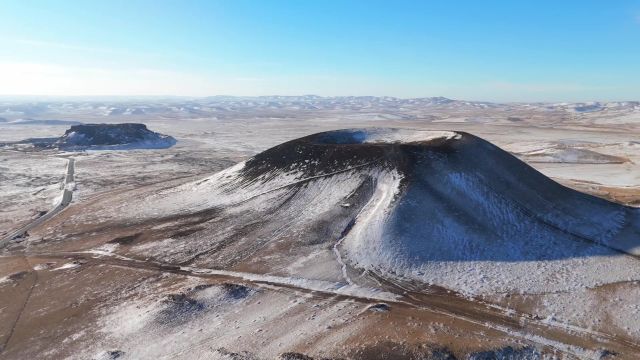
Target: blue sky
(477,50)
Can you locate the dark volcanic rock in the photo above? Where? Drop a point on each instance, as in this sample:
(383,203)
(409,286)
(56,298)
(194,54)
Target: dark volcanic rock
(386,350)
(243,355)
(125,240)
(179,308)
(113,136)
(115,354)
(235,291)
(294,356)
(507,353)
(18,275)
(380,307)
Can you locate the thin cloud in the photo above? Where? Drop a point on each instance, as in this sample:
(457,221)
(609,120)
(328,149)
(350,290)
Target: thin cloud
(544,87)
(52,79)
(22,78)
(96,50)
(58,45)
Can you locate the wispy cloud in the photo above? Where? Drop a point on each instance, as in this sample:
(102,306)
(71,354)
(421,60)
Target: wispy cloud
(61,46)
(22,78)
(30,78)
(543,87)
(52,79)
(98,52)
(552,91)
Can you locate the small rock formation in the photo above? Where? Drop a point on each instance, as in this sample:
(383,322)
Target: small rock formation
(507,353)
(380,307)
(293,356)
(112,136)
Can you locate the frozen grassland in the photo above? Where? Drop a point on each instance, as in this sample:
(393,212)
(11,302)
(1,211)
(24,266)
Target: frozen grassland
(591,147)
(29,186)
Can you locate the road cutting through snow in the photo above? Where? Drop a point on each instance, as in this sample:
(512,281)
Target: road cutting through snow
(64,200)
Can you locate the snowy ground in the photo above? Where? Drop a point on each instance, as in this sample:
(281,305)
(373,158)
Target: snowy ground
(29,185)
(115,306)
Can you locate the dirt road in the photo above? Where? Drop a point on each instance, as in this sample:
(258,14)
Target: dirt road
(65,200)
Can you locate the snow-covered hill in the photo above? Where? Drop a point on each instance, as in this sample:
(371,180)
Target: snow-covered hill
(442,208)
(112,136)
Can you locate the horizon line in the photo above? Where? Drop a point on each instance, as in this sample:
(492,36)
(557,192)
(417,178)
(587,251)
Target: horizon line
(10,97)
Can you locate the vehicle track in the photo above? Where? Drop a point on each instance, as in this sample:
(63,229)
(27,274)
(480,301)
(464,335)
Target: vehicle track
(574,340)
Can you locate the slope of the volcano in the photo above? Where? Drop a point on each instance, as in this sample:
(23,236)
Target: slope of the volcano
(469,216)
(443,208)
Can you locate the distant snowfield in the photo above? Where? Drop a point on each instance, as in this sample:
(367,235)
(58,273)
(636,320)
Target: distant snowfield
(17,131)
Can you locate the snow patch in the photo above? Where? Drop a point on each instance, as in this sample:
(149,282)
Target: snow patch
(384,136)
(67,266)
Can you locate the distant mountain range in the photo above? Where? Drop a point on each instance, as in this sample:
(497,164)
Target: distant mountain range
(211,106)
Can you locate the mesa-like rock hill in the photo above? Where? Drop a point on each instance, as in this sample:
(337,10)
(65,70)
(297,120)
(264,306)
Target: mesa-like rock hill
(112,136)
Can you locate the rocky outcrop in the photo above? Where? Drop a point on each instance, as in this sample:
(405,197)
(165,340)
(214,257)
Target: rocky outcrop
(112,136)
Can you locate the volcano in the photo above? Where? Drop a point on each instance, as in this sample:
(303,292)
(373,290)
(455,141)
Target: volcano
(437,207)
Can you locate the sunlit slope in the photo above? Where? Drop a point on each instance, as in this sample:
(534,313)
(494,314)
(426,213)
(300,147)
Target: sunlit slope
(438,207)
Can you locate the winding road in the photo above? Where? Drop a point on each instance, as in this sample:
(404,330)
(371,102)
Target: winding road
(65,199)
